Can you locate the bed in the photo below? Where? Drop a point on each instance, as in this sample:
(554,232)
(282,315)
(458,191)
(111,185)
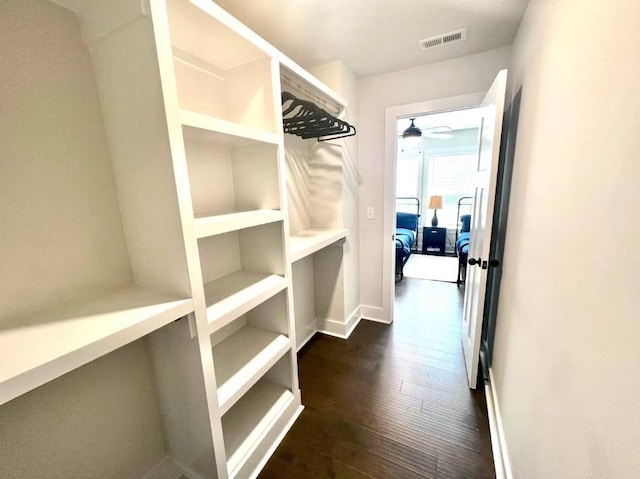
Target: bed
(407,219)
(463,235)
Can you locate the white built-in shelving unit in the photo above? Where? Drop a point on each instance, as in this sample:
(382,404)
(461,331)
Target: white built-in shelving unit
(148,323)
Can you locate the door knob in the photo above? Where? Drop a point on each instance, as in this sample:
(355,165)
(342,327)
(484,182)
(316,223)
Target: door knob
(473,261)
(494,263)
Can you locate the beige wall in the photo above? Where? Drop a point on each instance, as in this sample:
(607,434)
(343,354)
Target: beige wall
(470,74)
(53,145)
(567,346)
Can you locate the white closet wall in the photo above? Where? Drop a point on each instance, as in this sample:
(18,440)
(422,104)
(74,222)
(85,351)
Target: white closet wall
(322,196)
(55,252)
(152,235)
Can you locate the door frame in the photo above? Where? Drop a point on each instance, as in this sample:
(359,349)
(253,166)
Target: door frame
(499,232)
(392,114)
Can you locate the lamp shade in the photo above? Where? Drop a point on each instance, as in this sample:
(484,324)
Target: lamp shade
(435,202)
(412,131)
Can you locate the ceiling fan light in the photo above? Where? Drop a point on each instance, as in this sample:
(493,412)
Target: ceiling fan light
(439,132)
(412,131)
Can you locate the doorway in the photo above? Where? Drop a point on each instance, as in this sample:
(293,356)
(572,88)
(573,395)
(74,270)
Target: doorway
(428,301)
(436,159)
(485,179)
(392,117)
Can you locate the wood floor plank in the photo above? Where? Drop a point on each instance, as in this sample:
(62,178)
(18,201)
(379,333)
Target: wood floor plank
(462,469)
(392,401)
(411,350)
(360,447)
(422,426)
(297,461)
(353,396)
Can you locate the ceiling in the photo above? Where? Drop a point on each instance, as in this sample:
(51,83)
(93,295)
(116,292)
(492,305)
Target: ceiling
(377,36)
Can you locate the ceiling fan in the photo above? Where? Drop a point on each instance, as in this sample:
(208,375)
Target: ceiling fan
(440,132)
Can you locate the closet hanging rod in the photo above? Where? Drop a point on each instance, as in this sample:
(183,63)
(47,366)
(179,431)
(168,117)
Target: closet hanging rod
(305,92)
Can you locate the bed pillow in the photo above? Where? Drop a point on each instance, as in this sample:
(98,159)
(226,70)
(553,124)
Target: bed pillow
(466,223)
(407,221)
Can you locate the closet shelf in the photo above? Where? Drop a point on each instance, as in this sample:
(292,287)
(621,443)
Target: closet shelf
(207,37)
(218,224)
(41,348)
(306,242)
(242,359)
(251,419)
(222,131)
(235,294)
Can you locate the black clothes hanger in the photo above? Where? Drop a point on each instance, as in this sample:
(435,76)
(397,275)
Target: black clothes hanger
(306,120)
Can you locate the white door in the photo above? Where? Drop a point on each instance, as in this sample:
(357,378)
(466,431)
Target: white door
(481,223)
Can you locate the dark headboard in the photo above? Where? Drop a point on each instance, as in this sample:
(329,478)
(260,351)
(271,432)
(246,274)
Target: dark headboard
(408,214)
(408,204)
(465,207)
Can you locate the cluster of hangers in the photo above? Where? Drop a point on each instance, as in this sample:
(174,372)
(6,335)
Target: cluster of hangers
(305,119)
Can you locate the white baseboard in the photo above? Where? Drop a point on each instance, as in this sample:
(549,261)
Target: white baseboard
(339,329)
(374,313)
(376,320)
(498,440)
(169,469)
(354,320)
(309,332)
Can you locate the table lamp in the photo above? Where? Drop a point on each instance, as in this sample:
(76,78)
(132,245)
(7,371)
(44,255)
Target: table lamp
(435,202)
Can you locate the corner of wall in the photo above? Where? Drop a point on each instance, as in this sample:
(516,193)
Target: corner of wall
(337,76)
(340,329)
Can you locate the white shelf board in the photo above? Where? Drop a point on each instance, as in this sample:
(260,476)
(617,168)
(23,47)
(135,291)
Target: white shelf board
(242,359)
(251,419)
(234,24)
(306,242)
(218,224)
(238,41)
(235,294)
(40,348)
(223,131)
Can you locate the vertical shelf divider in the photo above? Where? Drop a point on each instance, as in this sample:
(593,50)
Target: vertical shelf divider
(229,162)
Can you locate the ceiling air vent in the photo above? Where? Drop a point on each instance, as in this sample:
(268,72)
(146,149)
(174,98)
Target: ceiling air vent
(443,39)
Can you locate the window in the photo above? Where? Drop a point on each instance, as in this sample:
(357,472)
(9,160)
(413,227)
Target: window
(409,175)
(452,177)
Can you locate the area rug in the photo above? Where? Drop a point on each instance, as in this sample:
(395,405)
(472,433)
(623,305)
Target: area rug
(434,268)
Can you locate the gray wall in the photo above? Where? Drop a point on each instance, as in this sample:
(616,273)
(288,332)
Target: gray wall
(567,348)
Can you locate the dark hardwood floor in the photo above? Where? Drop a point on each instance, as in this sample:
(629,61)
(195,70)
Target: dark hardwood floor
(391,401)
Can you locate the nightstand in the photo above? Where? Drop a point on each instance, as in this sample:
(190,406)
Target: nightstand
(433,240)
